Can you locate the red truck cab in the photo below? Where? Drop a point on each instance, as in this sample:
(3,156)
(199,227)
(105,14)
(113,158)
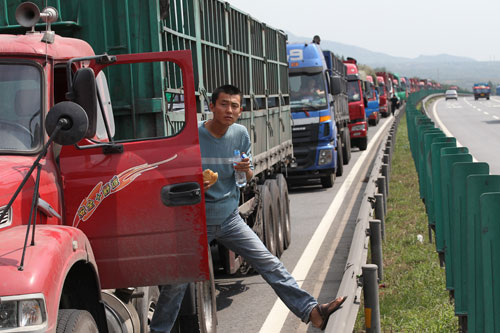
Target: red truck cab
(383,93)
(98,214)
(358,126)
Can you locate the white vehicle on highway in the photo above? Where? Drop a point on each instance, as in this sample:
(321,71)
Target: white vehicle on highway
(451,94)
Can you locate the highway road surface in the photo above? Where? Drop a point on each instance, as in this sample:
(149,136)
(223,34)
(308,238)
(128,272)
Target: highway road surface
(475,125)
(323,222)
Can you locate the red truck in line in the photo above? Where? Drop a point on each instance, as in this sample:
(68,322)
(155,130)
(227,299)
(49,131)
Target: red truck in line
(385,108)
(88,224)
(358,126)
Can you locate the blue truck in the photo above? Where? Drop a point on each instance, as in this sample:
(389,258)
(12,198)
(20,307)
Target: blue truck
(320,114)
(373,102)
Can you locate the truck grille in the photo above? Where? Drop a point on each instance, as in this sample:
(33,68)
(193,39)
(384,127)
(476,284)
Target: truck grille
(6,220)
(305,133)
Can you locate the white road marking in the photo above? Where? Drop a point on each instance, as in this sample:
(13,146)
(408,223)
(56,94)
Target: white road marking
(496,117)
(277,316)
(486,113)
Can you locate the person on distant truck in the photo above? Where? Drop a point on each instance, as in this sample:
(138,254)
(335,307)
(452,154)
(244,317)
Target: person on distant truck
(219,137)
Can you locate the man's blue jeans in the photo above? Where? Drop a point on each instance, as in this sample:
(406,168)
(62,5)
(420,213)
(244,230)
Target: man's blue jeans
(235,234)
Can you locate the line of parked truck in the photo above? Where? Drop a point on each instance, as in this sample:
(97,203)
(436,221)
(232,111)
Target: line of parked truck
(100,172)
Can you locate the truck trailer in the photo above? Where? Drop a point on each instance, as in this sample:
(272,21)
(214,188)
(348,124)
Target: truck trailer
(101,169)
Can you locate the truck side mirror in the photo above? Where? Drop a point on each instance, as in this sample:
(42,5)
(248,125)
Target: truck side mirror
(76,122)
(85,92)
(335,85)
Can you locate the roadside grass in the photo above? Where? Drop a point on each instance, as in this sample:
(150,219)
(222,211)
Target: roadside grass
(412,293)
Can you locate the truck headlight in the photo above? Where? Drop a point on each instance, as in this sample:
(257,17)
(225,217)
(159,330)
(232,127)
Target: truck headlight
(22,311)
(325,156)
(358,128)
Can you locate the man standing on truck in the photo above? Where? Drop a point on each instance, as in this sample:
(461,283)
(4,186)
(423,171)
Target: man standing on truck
(219,137)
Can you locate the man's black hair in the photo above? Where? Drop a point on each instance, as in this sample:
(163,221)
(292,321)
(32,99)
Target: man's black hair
(227,89)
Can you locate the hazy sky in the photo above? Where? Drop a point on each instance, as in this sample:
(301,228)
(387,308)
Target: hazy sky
(403,28)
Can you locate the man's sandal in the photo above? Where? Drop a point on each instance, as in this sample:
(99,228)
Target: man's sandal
(325,310)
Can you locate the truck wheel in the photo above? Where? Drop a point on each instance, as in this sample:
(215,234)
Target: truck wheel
(346,150)
(285,210)
(340,159)
(268,219)
(146,305)
(327,181)
(206,305)
(205,318)
(278,226)
(363,143)
(72,320)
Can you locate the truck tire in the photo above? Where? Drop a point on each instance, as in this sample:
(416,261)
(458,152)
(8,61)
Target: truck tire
(346,149)
(285,210)
(205,318)
(327,181)
(268,218)
(146,305)
(278,226)
(363,143)
(340,159)
(72,320)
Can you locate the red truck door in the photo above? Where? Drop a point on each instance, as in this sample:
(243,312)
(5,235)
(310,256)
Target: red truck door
(142,209)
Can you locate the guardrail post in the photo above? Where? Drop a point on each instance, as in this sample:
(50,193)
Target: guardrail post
(382,189)
(370,291)
(386,159)
(376,247)
(385,172)
(379,212)
(388,145)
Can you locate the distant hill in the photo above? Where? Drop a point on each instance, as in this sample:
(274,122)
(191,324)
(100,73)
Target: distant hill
(444,68)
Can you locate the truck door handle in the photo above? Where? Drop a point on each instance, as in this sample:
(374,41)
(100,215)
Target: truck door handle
(182,194)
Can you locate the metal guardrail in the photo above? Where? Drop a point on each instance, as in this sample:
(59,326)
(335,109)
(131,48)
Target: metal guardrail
(462,201)
(373,209)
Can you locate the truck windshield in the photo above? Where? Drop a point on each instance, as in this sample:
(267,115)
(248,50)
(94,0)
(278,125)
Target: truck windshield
(307,92)
(353,91)
(20,110)
(369,93)
(381,90)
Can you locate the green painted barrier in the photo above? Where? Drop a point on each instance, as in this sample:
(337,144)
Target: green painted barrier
(449,156)
(429,139)
(420,120)
(476,185)
(459,173)
(422,168)
(489,205)
(419,160)
(436,186)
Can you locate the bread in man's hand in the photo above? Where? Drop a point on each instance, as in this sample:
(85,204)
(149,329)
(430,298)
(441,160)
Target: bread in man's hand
(210,176)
